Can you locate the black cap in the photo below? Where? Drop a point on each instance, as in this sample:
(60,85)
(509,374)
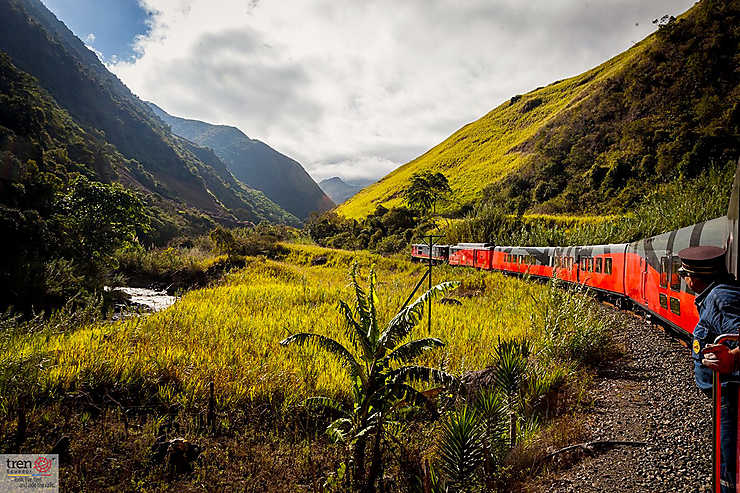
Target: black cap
(706,261)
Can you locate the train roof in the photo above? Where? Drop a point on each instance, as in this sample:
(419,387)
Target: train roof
(474,245)
(427,245)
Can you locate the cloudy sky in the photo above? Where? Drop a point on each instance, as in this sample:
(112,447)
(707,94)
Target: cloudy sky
(351,88)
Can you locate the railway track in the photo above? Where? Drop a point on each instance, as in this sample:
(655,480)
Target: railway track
(648,395)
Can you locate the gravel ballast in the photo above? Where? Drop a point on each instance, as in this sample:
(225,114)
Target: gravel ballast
(648,396)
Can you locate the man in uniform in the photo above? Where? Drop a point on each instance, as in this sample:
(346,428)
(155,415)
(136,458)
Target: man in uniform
(718,304)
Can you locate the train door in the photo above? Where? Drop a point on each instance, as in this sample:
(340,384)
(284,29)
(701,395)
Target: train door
(643,280)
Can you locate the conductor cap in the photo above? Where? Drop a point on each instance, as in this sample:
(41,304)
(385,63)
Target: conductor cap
(705,261)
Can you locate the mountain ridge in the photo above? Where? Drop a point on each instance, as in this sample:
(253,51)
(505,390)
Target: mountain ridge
(339,190)
(254,163)
(158,162)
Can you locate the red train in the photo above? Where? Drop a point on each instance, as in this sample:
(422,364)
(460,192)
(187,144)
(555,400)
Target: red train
(644,273)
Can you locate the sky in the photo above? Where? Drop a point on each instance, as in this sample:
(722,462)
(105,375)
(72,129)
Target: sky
(351,88)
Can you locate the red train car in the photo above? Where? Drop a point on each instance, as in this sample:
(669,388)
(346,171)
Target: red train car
(420,252)
(601,267)
(651,271)
(523,260)
(466,254)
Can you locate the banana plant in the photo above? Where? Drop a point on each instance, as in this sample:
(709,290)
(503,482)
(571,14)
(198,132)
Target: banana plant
(380,365)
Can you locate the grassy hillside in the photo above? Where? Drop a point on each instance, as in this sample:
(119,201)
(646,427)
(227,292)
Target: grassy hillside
(666,108)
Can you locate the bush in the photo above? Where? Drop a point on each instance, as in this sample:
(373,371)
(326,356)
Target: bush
(247,241)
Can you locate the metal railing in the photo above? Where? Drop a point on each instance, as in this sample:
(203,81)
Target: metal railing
(717,421)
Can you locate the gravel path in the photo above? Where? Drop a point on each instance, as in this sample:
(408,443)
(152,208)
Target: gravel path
(647,396)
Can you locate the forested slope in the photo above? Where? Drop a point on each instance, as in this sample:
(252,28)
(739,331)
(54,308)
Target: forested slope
(95,99)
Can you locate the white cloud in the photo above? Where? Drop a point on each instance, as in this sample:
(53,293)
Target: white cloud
(357,88)
(90,38)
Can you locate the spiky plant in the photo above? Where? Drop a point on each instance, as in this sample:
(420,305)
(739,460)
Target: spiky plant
(510,376)
(381,368)
(491,409)
(461,449)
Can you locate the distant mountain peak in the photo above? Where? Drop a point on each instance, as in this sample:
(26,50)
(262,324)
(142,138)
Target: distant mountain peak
(338,189)
(255,163)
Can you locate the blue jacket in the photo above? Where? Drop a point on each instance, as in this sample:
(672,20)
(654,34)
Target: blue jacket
(719,313)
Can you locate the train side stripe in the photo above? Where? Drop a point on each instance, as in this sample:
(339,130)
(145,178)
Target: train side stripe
(696,234)
(671,241)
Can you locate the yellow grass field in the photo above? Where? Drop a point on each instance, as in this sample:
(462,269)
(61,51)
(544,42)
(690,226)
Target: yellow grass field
(229,333)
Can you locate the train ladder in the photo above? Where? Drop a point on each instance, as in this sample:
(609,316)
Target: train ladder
(717,423)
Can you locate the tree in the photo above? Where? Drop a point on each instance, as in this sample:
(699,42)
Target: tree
(380,368)
(426,190)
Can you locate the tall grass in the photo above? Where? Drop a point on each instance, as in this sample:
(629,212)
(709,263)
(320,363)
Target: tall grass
(229,334)
(675,205)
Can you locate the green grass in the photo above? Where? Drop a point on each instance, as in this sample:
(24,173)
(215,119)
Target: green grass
(113,387)
(229,333)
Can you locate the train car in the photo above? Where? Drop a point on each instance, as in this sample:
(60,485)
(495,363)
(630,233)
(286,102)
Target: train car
(651,271)
(601,267)
(420,252)
(565,263)
(523,260)
(465,253)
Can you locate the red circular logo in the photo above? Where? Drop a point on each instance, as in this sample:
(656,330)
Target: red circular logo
(42,464)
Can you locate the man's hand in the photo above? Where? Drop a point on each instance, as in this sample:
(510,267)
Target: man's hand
(718,357)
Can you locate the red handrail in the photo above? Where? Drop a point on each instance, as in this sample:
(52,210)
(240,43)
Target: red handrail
(717,422)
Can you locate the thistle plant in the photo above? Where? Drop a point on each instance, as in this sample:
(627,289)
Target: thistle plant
(381,369)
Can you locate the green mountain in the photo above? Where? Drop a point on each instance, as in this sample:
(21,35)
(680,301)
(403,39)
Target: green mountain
(193,185)
(256,164)
(667,108)
(338,189)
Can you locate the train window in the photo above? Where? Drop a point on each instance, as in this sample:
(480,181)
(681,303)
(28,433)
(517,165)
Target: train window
(675,278)
(520,259)
(664,272)
(663,300)
(597,265)
(590,265)
(570,262)
(675,306)
(608,265)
